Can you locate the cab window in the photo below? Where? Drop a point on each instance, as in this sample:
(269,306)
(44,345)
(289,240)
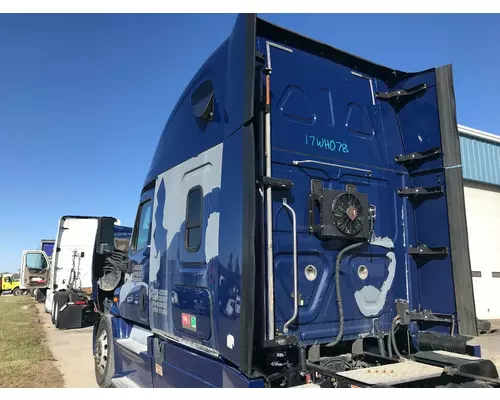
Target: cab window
(35,261)
(194,210)
(142,227)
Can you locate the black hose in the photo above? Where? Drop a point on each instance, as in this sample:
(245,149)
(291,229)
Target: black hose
(337,289)
(389,343)
(393,336)
(381,347)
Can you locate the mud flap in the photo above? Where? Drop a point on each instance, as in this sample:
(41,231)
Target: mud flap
(74,316)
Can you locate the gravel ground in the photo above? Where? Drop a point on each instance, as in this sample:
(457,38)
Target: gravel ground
(72,350)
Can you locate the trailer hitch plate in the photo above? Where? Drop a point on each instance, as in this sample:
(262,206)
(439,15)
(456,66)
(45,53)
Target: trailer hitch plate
(393,374)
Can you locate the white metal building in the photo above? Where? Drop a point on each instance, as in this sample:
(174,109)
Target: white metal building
(480,152)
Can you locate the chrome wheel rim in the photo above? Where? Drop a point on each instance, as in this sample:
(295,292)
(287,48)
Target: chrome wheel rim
(101,352)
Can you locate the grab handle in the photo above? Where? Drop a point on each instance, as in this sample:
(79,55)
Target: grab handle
(295,269)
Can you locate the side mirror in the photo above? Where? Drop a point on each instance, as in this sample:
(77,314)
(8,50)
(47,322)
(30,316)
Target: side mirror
(106,248)
(106,236)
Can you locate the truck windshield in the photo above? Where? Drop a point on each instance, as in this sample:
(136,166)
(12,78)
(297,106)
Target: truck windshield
(35,261)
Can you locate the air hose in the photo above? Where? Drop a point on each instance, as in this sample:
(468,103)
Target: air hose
(392,333)
(389,344)
(337,289)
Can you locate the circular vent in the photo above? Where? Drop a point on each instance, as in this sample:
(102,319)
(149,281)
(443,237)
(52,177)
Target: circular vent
(347,214)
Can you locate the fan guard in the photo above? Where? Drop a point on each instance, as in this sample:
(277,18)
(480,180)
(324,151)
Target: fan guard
(348,214)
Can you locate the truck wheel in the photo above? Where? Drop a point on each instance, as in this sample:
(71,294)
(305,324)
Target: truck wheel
(104,353)
(16,292)
(54,303)
(39,296)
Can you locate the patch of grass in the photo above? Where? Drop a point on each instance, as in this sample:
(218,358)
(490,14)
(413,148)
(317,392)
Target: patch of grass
(25,359)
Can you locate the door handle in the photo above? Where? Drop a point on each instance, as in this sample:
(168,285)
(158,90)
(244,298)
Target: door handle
(295,269)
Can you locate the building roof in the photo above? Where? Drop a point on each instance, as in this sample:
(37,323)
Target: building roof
(480,153)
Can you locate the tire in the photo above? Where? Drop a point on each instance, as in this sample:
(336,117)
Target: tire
(17,292)
(104,365)
(57,306)
(39,296)
(55,297)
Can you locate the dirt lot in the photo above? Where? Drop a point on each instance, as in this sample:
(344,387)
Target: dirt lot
(25,357)
(490,344)
(72,350)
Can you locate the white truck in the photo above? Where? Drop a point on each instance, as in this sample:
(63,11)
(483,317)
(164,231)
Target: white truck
(82,246)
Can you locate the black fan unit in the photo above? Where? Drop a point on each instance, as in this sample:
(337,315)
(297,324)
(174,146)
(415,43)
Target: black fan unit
(341,214)
(348,214)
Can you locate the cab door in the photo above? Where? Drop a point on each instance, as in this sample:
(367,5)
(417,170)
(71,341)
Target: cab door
(134,292)
(134,360)
(34,269)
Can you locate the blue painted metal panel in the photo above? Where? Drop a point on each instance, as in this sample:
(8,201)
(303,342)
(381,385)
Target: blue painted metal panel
(48,248)
(186,368)
(480,160)
(330,115)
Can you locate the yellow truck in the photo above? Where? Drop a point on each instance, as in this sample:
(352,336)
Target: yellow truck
(9,284)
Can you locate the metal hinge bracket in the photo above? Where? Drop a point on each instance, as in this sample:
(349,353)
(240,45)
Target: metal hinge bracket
(421,191)
(417,156)
(399,98)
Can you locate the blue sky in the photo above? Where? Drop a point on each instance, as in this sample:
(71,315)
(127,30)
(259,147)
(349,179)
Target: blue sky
(83,98)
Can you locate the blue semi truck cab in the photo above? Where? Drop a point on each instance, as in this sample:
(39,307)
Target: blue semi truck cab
(302,222)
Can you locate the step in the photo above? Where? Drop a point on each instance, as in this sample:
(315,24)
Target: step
(124,382)
(133,345)
(137,342)
(393,374)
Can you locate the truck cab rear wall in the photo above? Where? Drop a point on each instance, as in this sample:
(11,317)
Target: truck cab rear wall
(284,202)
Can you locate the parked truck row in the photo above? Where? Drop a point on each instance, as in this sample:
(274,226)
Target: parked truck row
(61,272)
(302,223)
